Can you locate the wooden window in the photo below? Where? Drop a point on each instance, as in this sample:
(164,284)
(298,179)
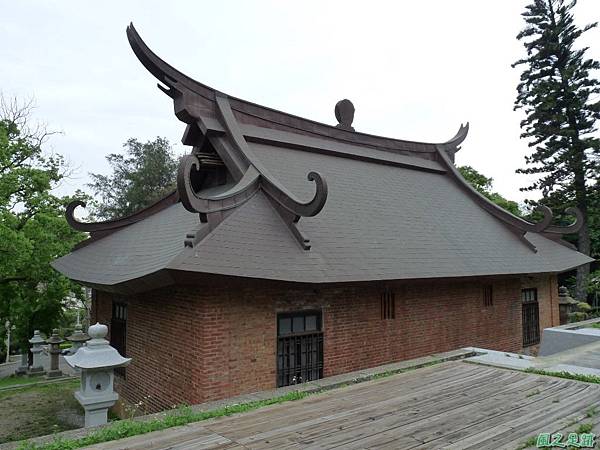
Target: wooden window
(529,295)
(118,331)
(299,347)
(388,305)
(488,295)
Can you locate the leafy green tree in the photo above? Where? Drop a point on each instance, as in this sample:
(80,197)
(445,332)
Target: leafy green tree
(484,186)
(33,229)
(141,176)
(559,98)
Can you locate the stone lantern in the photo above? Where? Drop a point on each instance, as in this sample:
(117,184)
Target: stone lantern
(37,368)
(97,361)
(54,341)
(566,304)
(77,339)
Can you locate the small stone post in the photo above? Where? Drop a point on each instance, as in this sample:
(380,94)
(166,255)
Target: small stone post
(37,368)
(77,339)
(97,361)
(54,341)
(9,327)
(22,368)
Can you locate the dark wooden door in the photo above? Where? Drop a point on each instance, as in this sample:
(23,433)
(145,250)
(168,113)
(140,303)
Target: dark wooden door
(530,314)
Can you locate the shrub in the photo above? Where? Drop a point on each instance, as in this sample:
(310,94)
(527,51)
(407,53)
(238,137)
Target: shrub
(584,307)
(577,316)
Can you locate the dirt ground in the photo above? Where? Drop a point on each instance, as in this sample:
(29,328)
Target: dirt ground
(39,410)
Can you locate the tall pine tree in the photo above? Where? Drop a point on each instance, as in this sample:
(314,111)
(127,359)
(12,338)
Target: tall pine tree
(558,94)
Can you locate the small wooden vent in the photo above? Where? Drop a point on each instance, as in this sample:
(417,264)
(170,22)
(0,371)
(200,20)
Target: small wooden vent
(488,295)
(388,305)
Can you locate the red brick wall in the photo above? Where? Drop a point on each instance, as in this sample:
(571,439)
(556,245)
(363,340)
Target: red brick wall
(194,344)
(161,337)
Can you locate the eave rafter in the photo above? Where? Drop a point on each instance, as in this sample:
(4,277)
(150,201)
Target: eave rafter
(516,224)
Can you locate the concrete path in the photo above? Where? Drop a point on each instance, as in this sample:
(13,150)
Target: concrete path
(505,360)
(453,405)
(583,360)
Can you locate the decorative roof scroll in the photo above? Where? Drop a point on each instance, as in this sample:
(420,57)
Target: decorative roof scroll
(516,224)
(196,104)
(255,177)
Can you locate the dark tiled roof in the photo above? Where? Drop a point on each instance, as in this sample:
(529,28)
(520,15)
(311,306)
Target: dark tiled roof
(383,209)
(380,222)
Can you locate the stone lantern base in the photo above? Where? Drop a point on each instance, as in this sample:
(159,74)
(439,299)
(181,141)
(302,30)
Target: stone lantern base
(36,372)
(54,373)
(96,408)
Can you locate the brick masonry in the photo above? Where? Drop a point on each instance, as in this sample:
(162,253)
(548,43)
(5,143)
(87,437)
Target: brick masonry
(192,344)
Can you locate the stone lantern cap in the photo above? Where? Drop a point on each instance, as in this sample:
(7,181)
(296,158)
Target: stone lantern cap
(55,338)
(37,338)
(78,335)
(97,353)
(564,298)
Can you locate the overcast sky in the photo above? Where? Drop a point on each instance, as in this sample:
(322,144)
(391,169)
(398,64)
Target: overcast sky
(414,70)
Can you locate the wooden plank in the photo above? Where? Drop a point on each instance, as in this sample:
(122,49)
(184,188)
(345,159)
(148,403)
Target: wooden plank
(540,420)
(360,410)
(405,423)
(478,433)
(405,410)
(332,402)
(488,417)
(173,438)
(495,405)
(461,406)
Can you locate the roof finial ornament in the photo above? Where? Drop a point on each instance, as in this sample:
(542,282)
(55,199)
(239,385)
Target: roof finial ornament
(344,113)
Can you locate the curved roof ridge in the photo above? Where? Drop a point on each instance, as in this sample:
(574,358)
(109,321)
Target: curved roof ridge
(101,229)
(178,83)
(516,223)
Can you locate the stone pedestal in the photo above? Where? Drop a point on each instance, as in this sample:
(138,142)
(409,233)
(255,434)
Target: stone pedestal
(37,368)
(54,341)
(96,409)
(97,361)
(23,366)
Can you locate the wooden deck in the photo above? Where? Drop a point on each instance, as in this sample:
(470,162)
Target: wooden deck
(454,405)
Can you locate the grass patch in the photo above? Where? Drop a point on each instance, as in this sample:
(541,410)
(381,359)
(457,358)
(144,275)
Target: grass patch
(37,410)
(185,415)
(591,412)
(42,388)
(532,393)
(594,325)
(584,428)
(569,376)
(14,380)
